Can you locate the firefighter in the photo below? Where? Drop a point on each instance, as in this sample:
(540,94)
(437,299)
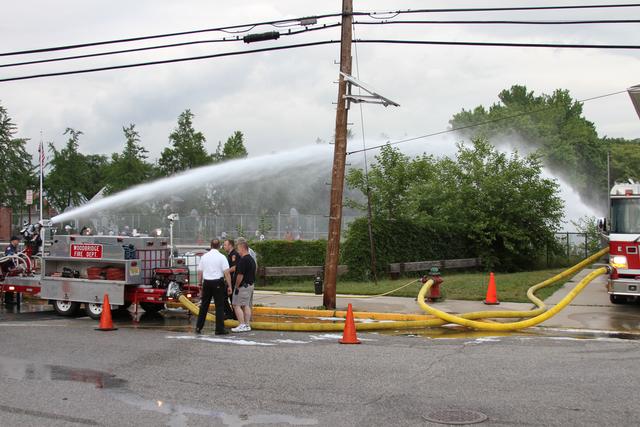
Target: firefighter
(12,249)
(213,273)
(232,257)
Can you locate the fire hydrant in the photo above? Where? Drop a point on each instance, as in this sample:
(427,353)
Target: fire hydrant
(434,291)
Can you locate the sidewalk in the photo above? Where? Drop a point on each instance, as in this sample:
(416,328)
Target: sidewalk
(590,310)
(379,304)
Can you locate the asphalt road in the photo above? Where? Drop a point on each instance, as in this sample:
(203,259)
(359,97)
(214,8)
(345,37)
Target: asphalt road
(59,372)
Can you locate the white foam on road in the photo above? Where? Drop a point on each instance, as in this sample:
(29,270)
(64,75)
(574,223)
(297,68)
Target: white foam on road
(220,340)
(483,340)
(342,319)
(373,321)
(290,342)
(325,337)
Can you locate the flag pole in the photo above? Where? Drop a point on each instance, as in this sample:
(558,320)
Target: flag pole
(41,158)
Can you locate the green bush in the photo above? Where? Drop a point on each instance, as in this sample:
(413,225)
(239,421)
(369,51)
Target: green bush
(281,253)
(398,241)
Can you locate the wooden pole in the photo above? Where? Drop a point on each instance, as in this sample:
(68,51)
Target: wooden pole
(339,160)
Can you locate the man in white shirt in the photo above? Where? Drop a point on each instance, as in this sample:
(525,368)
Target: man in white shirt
(213,273)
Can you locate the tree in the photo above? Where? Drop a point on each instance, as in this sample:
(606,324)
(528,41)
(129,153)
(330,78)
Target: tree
(130,167)
(73,177)
(97,166)
(389,179)
(625,159)
(15,163)
(233,149)
(498,205)
(187,148)
(501,203)
(554,126)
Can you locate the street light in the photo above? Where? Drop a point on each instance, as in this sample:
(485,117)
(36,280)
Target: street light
(634,93)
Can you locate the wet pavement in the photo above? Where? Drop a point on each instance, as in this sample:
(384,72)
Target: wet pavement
(590,314)
(154,371)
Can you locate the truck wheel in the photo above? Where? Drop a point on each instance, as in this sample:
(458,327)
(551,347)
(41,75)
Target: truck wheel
(150,307)
(618,299)
(93,310)
(66,308)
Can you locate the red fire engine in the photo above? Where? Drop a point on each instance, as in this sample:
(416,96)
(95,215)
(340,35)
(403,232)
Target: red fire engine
(77,271)
(624,243)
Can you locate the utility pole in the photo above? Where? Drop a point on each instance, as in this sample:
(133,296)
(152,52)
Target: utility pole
(339,160)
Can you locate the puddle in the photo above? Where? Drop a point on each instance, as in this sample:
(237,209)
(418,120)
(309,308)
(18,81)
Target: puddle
(451,332)
(480,337)
(179,413)
(582,334)
(22,370)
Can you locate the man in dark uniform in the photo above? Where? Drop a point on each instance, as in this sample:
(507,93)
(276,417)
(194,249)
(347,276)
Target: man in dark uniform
(12,249)
(232,257)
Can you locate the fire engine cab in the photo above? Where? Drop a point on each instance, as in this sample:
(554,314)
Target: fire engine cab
(624,243)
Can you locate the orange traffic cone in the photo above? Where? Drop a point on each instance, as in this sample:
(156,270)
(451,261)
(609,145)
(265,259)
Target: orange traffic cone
(492,294)
(106,324)
(349,334)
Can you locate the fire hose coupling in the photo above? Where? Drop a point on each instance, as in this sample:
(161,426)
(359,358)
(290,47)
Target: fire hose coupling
(173,290)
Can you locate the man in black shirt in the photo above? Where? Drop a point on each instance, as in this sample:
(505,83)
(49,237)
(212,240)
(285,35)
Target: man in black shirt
(233,257)
(243,294)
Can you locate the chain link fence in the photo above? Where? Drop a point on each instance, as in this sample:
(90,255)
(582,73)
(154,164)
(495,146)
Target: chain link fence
(196,229)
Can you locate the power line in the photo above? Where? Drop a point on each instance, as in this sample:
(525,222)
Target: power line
(242,28)
(317,43)
(503,9)
(502,22)
(486,122)
(500,44)
(169,61)
(289,33)
(116,52)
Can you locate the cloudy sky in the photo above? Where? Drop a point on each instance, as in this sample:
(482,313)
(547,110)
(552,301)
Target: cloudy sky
(284,99)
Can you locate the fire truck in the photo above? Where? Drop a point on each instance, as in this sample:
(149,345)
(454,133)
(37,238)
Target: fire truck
(75,272)
(624,243)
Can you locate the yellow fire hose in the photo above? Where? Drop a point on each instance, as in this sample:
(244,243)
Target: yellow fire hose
(512,326)
(409,321)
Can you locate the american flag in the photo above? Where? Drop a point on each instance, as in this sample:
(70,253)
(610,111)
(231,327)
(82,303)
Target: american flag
(41,151)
